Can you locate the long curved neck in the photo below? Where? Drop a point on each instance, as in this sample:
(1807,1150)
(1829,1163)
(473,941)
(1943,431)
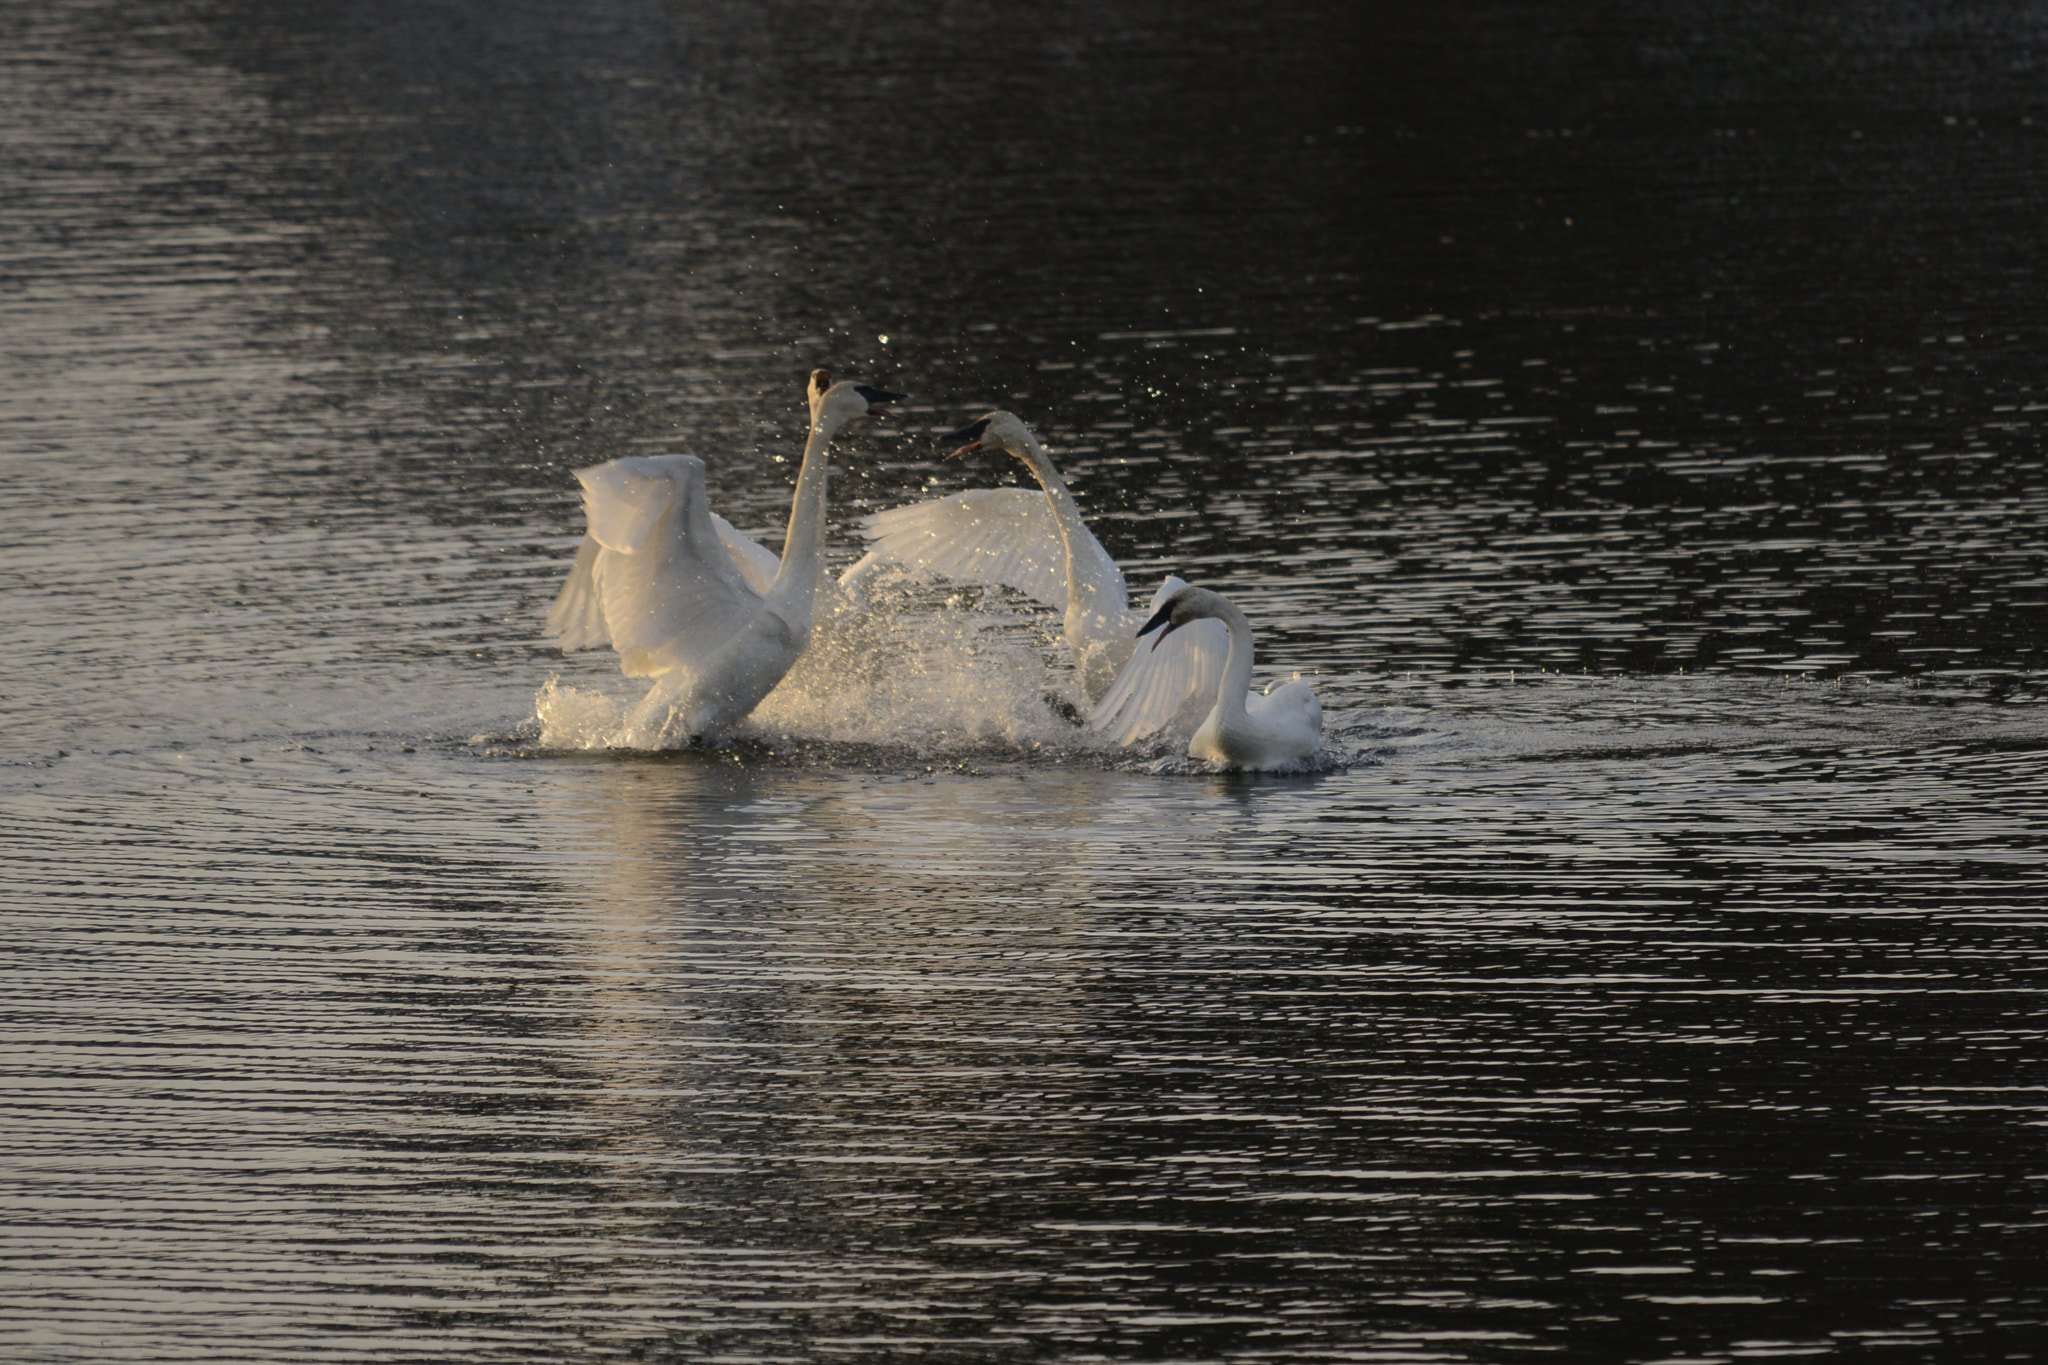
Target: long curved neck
(1237,664)
(1075,536)
(797,578)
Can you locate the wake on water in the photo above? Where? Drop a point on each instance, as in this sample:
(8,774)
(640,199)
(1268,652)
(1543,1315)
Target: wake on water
(968,674)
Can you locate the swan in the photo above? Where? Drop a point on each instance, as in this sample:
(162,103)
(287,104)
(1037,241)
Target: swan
(713,617)
(1244,729)
(1041,547)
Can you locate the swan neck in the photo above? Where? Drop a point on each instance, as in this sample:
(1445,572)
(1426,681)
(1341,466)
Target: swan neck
(1237,664)
(1066,513)
(797,577)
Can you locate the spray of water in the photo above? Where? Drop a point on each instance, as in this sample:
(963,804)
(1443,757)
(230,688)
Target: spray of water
(937,674)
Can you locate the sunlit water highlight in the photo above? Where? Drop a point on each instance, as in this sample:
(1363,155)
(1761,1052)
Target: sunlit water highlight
(355,1006)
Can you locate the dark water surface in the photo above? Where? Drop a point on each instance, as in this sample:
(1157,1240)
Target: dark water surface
(1628,416)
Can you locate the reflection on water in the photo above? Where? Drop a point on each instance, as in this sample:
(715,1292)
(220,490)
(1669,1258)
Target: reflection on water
(1631,423)
(1626,1024)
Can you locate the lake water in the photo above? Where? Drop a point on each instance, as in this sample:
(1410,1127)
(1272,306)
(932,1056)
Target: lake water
(1627,418)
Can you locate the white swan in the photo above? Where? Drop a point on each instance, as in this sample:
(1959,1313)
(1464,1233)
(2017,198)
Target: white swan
(1041,547)
(716,619)
(1244,729)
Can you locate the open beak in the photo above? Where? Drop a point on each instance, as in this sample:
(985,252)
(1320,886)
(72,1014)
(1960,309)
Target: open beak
(1163,616)
(876,398)
(971,434)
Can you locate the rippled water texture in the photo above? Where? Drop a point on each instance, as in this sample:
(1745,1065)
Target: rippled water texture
(1627,417)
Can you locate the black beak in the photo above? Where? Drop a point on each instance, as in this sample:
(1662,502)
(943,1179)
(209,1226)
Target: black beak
(875,400)
(1163,615)
(970,435)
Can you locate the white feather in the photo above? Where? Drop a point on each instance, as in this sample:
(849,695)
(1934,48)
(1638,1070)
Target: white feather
(1040,546)
(756,562)
(1170,685)
(669,590)
(1001,536)
(625,499)
(576,621)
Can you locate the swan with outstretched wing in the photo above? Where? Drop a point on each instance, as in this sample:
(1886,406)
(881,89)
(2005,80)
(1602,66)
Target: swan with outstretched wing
(1253,731)
(715,619)
(1038,545)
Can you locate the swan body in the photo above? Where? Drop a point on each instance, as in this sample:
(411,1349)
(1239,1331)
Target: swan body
(1244,729)
(1040,546)
(715,619)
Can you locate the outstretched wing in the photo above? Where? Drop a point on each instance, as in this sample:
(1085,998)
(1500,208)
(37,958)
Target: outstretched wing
(756,563)
(626,501)
(669,590)
(985,535)
(576,621)
(1175,681)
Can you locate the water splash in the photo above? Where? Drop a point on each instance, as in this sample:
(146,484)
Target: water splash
(969,675)
(969,672)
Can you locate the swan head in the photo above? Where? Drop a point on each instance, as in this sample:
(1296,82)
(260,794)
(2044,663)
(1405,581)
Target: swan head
(842,402)
(1189,604)
(1003,430)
